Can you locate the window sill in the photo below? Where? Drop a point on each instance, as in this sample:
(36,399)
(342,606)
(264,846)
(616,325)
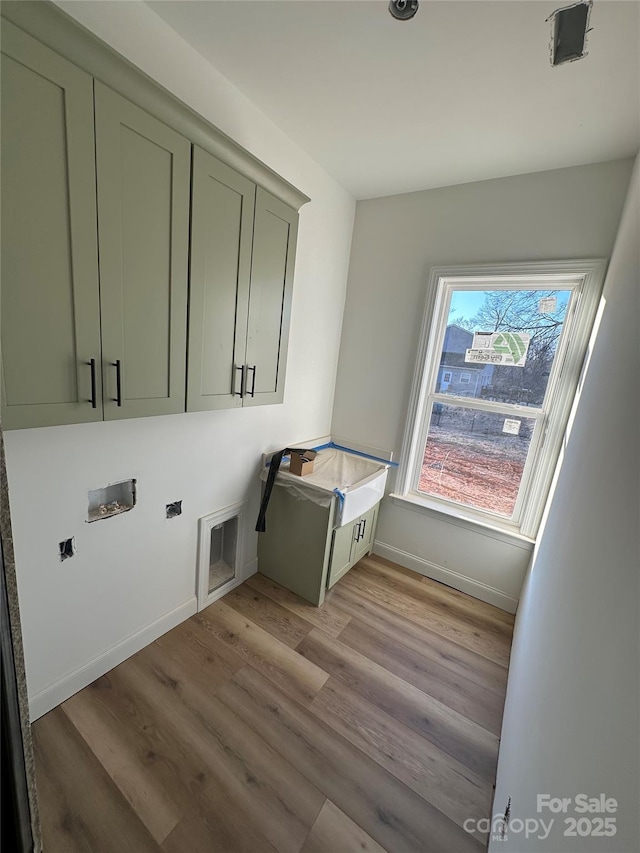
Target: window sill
(460,519)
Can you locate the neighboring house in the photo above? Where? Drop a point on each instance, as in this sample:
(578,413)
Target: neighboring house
(455,376)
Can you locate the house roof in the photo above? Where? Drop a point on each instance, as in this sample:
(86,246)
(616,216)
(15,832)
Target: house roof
(478,368)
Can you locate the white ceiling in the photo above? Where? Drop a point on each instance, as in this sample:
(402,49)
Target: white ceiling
(463,92)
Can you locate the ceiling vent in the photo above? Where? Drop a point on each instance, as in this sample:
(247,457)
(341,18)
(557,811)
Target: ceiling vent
(569,32)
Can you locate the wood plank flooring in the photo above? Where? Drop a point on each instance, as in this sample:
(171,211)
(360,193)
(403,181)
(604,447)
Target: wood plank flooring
(266,724)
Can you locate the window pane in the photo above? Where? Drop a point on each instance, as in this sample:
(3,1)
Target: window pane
(475,458)
(489,329)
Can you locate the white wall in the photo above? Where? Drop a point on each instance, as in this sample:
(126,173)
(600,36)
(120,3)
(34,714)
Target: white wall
(566,213)
(572,713)
(136,572)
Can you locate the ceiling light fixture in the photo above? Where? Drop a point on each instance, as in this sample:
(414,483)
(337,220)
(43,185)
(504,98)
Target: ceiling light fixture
(403,10)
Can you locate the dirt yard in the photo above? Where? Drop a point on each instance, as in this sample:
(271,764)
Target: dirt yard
(476,470)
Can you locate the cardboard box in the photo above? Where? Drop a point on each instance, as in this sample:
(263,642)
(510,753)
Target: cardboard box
(302,464)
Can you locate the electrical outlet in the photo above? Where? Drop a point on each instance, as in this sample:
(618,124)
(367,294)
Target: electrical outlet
(173,509)
(67,548)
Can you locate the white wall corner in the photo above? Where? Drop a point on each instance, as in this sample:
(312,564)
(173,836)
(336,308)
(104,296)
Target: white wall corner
(470,586)
(71,683)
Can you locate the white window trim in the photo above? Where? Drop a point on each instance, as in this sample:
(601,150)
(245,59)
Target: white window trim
(587,276)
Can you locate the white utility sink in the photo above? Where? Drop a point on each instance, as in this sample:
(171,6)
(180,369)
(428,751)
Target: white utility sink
(320,525)
(361,496)
(358,482)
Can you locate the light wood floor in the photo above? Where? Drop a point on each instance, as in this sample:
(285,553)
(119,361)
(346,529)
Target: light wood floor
(265,724)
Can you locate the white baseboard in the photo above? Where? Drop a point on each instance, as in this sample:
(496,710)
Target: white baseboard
(219,593)
(249,569)
(431,570)
(71,683)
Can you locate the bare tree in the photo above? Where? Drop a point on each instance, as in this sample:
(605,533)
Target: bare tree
(519,311)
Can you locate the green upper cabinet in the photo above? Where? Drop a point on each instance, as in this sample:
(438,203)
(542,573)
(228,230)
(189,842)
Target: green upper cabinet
(50,308)
(222,206)
(110,234)
(242,258)
(143,174)
(275,233)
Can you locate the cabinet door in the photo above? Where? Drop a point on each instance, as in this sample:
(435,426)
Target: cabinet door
(143,231)
(364,537)
(342,552)
(222,206)
(274,243)
(50,308)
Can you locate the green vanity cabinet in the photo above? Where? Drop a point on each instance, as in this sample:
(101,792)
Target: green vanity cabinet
(351,543)
(50,305)
(303,551)
(242,259)
(143,176)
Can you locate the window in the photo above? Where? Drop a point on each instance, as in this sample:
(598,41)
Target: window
(484,447)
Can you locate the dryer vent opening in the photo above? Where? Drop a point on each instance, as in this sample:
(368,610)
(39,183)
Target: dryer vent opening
(219,553)
(223,540)
(569,33)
